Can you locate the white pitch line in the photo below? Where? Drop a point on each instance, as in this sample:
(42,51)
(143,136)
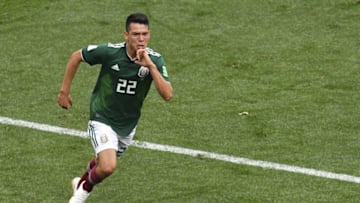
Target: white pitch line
(190,152)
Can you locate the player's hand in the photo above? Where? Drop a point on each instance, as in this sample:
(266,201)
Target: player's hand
(64,100)
(143,58)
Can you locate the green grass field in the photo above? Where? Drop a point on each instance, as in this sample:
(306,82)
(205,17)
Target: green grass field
(292,64)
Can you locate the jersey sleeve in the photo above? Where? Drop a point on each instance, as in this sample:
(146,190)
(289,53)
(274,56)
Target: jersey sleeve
(160,64)
(94,54)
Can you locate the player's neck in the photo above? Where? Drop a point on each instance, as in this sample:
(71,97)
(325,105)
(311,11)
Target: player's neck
(131,53)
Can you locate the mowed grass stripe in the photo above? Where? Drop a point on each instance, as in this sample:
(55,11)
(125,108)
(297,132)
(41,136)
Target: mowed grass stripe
(190,152)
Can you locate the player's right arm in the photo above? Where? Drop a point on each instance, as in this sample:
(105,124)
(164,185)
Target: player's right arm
(64,99)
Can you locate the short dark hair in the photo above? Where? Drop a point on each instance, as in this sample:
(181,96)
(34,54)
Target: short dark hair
(136,18)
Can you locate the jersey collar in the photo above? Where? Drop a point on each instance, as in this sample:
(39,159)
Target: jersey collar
(131,59)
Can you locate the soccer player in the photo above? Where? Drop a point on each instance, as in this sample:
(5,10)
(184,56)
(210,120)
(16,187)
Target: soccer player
(127,71)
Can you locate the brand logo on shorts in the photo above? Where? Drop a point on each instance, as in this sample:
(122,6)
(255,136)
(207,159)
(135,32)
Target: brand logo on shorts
(143,72)
(104,139)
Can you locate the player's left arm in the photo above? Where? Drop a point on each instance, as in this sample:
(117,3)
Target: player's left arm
(162,86)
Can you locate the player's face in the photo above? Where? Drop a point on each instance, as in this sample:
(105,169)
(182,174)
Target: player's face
(137,37)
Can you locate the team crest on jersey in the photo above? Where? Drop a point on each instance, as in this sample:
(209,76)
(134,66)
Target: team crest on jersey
(143,72)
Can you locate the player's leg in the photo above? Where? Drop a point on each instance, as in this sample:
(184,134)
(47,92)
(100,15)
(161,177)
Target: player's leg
(104,140)
(113,146)
(105,166)
(105,144)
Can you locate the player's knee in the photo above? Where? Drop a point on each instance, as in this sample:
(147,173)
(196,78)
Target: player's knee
(107,169)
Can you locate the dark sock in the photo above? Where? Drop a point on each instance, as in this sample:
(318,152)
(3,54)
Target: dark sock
(91,180)
(90,166)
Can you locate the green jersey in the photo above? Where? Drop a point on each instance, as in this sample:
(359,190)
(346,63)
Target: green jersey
(121,87)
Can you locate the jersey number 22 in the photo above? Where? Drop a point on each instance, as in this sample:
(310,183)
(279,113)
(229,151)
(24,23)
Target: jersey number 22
(126,86)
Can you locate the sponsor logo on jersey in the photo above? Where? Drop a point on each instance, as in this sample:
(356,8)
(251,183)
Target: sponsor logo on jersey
(143,72)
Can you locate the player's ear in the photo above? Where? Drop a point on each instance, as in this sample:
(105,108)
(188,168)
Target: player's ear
(126,36)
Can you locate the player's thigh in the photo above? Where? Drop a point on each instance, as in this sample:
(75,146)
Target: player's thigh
(102,137)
